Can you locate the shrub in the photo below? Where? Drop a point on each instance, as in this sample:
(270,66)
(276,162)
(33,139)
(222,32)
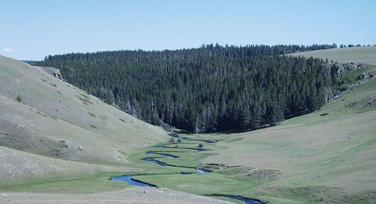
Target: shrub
(19,98)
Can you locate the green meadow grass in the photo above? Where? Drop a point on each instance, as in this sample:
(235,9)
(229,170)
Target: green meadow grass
(365,55)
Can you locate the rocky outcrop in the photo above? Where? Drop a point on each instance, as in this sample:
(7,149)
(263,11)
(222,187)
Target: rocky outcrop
(53,71)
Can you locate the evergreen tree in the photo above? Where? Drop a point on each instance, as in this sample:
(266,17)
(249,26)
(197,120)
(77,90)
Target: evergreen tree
(211,88)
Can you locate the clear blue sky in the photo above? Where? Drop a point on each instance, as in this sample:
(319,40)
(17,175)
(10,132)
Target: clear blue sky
(32,29)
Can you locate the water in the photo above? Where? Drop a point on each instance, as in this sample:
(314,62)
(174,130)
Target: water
(199,170)
(200,140)
(244,199)
(131,181)
(203,171)
(163,154)
(186,173)
(155,161)
(177,147)
(161,163)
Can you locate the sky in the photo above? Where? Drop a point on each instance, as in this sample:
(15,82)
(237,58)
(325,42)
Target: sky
(33,29)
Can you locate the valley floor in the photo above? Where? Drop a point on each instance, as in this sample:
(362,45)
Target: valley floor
(131,195)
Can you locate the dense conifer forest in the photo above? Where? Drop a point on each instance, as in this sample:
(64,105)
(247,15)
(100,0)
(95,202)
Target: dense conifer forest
(207,89)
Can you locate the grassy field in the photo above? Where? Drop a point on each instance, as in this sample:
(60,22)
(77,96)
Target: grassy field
(365,55)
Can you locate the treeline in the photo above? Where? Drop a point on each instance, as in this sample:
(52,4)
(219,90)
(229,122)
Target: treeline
(212,88)
(356,45)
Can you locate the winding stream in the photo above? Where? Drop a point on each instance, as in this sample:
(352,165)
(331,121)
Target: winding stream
(177,147)
(199,170)
(131,181)
(161,163)
(162,154)
(244,199)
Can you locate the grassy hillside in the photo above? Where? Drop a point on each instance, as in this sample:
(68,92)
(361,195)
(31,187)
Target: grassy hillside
(365,55)
(327,156)
(50,118)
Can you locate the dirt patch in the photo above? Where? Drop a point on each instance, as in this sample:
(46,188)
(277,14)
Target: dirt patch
(217,166)
(92,115)
(85,101)
(85,96)
(264,174)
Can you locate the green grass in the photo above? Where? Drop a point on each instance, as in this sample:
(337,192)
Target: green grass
(365,55)
(229,181)
(85,184)
(202,184)
(321,158)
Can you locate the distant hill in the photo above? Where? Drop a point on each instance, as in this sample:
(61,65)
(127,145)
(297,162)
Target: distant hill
(48,123)
(365,55)
(207,89)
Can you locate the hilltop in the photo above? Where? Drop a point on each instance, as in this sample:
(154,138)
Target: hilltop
(344,55)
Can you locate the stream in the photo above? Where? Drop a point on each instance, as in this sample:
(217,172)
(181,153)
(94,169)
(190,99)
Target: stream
(131,181)
(162,154)
(245,200)
(176,147)
(199,170)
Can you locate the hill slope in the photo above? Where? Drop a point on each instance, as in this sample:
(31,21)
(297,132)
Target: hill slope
(47,123)
(365,55)
(327,156)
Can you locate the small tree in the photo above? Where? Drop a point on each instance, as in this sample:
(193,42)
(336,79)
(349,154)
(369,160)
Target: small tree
(19,98)
(200,145)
